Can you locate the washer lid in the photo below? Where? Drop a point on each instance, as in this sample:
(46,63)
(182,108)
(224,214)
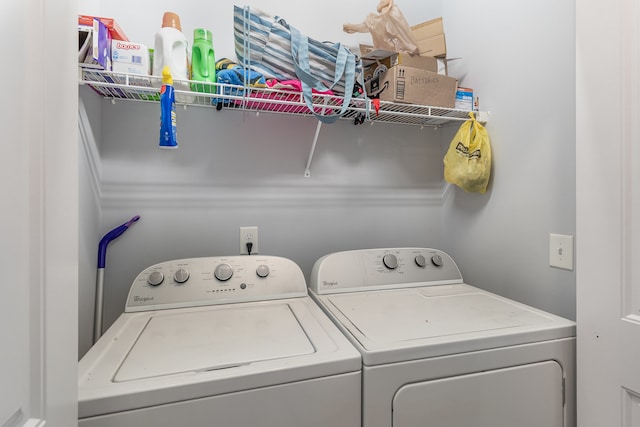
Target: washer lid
(173,343)
(405,324)
(279,342)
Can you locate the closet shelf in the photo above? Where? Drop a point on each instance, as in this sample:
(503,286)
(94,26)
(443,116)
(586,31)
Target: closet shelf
(134,87)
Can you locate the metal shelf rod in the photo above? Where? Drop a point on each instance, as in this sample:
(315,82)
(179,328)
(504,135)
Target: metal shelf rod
(307,170)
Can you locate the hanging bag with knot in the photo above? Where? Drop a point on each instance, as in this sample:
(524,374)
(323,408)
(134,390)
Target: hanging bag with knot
(467,163)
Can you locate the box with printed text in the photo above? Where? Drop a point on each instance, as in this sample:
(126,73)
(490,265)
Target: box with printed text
(464,98)
(414,86)
(128,57)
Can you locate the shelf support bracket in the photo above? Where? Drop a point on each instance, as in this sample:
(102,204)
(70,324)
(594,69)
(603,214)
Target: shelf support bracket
(307,170)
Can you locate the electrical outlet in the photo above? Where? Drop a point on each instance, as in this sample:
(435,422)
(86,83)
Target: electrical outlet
(248,235)
(561,251)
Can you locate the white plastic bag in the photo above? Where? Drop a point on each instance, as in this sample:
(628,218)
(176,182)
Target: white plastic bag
(389,29)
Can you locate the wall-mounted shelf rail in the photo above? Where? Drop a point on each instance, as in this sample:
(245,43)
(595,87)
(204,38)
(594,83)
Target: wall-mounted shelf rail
(146,88)
(133,87)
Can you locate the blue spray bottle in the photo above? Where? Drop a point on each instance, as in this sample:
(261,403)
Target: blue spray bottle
(168,134)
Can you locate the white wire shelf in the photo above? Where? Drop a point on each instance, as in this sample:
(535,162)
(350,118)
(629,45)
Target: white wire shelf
(134,87)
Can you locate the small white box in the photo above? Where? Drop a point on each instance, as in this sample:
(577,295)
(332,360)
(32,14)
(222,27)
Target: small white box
(128,57)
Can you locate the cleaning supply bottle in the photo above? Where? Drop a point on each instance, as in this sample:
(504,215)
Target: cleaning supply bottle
(171,49)
(168,130)
(203,61)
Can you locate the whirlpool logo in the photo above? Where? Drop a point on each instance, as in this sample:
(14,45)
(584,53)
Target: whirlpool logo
(329,284)
(142,299)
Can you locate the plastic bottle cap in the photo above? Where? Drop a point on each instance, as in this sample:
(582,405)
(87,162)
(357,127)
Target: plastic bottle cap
(166,76)
(170,19)
(202,34)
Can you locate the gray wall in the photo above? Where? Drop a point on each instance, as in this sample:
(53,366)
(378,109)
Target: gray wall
(370,186)
(321,20)
(520,56)
(90,216)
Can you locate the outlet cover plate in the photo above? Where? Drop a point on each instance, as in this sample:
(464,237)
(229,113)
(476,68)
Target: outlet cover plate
(248,234)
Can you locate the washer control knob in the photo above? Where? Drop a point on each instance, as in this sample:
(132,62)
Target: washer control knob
(262,270)
(436,260)
(181,276)
(421,261)
(223,272)
(155,278)
(390,261)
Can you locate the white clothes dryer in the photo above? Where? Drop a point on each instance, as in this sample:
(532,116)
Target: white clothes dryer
(221,341)
(438,352)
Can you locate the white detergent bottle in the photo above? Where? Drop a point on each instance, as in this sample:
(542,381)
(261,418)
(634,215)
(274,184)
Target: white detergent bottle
(171,49)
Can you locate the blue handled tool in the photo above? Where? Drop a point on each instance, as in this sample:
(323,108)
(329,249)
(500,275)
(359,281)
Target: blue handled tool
(102,257)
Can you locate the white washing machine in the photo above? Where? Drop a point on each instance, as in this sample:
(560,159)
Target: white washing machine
(437,352)
(221,341)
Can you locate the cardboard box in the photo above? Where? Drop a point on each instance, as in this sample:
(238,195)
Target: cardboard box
(428,29)
(115,31)
(414,86)
(391,59)
(128,57)
(464,99)
(376,61)
(430,38)
(97,43)
(433,46)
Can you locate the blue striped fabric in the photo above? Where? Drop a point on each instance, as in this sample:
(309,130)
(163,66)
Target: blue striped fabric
(263,42)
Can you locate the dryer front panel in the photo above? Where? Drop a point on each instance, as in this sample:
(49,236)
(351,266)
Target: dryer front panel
(524,396)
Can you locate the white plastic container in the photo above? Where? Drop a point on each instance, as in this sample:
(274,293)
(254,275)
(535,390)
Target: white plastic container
(171,49)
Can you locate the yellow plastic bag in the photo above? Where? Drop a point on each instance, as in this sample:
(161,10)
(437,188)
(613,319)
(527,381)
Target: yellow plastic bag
(467,163)
(389,29)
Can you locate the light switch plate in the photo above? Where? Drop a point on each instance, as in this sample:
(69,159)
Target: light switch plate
(561,251)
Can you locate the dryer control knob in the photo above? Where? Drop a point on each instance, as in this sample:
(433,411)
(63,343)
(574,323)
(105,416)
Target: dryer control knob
(223,272)
(390,261)
(155,278)
(262,270)
(181,276)
(436,260)
(421,261)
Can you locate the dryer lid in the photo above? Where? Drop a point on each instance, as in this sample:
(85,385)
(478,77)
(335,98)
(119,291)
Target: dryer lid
(405,324)
(388,317)
(173,343)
